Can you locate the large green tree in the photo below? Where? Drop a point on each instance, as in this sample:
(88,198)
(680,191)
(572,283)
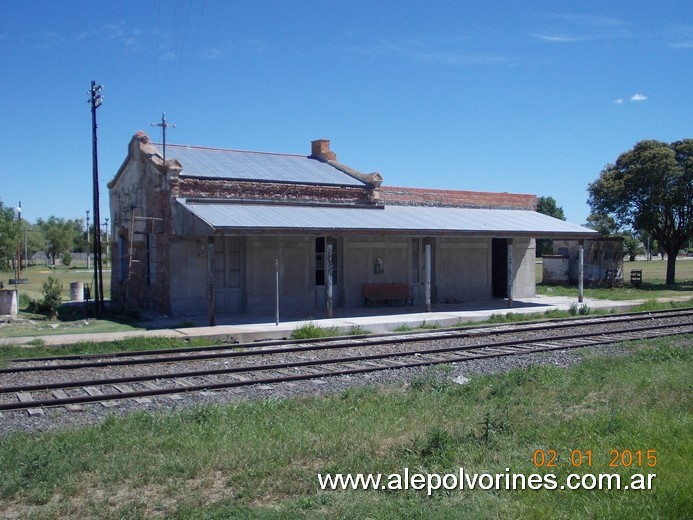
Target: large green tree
(548,206)
(605,224)
(59,235)
(9,235)
(650,189)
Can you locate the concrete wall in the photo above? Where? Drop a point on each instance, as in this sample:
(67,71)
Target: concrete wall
(296,287)
(359,258)
(245,277)
(463,269)
(188,280)
(599,255)
(556,269)
(524,258)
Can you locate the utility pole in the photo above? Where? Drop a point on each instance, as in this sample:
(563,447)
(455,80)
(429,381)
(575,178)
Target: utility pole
(19,245)
(164,125)
(95,101)
(87,239)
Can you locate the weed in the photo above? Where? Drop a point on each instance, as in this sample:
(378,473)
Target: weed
(403,328)
(312,331)
(431,380)
(579,310)
(51,296)
(356,330)
(437,445)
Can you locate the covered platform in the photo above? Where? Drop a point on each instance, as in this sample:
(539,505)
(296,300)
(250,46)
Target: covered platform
(373,320)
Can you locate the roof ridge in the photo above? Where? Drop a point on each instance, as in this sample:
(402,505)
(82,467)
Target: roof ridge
(213,149)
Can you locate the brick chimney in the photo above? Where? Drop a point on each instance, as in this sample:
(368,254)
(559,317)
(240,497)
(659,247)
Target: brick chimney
(320,149)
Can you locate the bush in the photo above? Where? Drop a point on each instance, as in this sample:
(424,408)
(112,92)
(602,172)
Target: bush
(67,259)
(52,298)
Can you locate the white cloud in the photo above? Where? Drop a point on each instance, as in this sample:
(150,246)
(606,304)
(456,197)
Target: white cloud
(638,97)
(557,38)
(618,101)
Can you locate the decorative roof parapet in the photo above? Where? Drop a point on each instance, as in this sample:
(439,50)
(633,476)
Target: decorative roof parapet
(399,196)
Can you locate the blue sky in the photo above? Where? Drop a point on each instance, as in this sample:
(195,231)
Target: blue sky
(526,97)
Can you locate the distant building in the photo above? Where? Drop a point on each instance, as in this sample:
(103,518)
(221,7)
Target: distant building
(202,230)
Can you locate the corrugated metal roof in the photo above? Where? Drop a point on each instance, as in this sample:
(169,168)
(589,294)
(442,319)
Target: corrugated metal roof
(215,163)
(392,219)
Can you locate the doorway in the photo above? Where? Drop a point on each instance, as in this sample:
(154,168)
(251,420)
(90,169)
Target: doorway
(499,267)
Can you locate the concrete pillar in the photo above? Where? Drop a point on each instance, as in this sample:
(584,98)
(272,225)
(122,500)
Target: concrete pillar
(210,282)
(276,291)
(427,279)
(77,291)
(581,270)
(511,277)
(8,302)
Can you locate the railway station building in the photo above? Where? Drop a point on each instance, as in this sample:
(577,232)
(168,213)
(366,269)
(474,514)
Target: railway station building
(201,230)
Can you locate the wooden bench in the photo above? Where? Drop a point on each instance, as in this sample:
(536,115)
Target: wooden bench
(636,277)
(387,292)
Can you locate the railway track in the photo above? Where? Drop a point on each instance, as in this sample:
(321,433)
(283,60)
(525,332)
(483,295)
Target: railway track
(63,381)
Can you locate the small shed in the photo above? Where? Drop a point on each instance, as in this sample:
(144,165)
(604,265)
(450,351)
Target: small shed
(602,258)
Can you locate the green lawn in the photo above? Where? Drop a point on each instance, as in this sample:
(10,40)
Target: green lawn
(70,320)
(654,277)
(261,459)
(39,274)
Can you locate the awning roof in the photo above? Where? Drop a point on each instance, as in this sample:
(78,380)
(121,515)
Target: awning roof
(251,218)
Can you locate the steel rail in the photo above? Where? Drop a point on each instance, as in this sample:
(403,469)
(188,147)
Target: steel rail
(327,344)
(602,338)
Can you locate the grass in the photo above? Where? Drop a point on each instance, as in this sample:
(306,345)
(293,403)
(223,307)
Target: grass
(654,286)
(39,349)
(312,331)
(260,459)
(71,318)
(39,274)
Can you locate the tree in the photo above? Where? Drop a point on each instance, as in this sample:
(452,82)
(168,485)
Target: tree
(650,189)
(548,206)
(9,235)
(59,234)
(633,247)
(605,224)
(35,240)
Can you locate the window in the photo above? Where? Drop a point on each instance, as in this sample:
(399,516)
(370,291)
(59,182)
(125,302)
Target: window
(321,260)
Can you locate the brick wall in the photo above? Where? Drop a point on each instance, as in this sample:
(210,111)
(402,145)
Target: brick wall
(267,191)
(472,199)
